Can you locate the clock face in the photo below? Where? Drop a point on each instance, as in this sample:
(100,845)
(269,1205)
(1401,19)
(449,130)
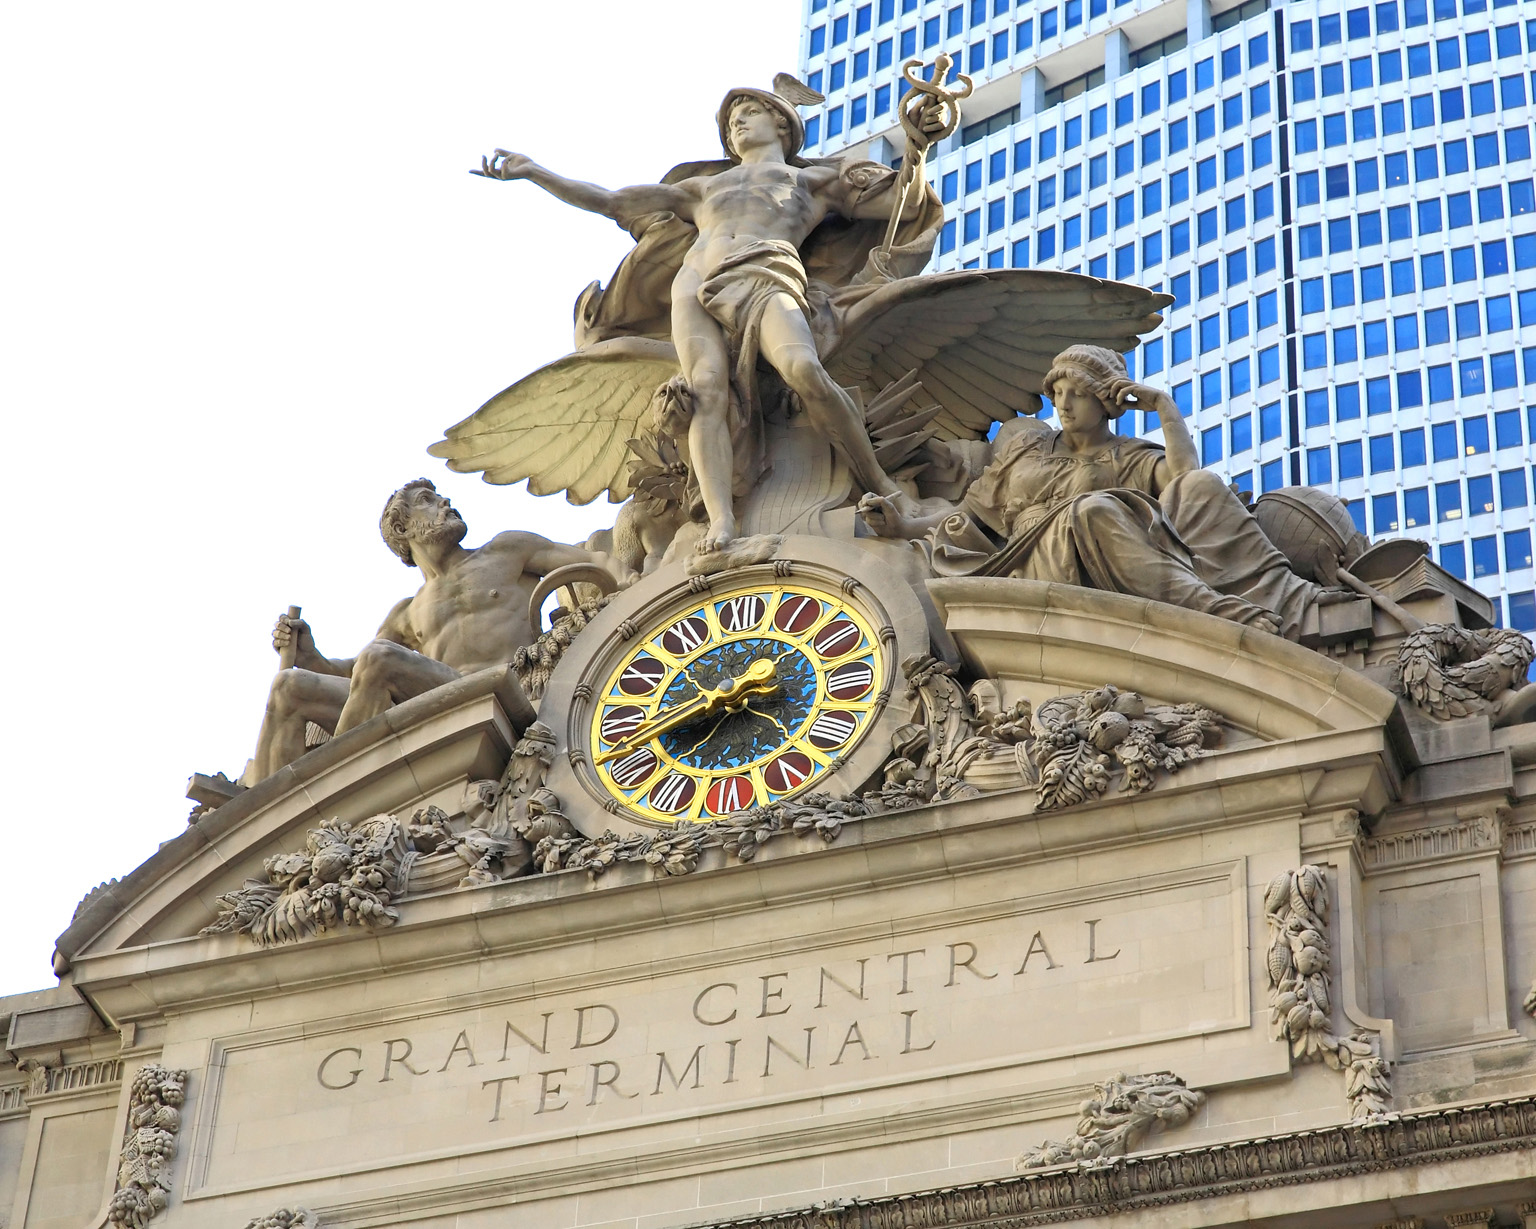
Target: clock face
(741,698)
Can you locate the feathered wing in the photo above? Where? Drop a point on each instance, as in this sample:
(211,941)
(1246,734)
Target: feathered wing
(981,341)
(566,426)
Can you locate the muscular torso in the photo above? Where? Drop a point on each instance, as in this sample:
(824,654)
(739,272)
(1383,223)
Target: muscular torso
(476,614)
(748,203)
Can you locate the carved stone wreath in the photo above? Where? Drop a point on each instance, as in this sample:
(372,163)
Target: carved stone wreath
(1451,671)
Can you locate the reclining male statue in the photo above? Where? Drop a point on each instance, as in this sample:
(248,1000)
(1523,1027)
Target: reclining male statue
(472,612)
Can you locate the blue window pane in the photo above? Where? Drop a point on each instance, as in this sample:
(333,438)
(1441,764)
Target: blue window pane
(1269,421)
(1411,447)
(1384,516)
(1517,549)
(1502,372)
(1453,559)
(1269,365)
(1415,508)
(1522,611)
(1315,403)
(1410,391)
(1440,384)
(1383,454)
(1448,501)
(1319,466)
(1349,460)
(1480,495)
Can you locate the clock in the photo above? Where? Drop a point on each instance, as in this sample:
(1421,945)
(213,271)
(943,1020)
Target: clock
(691,698)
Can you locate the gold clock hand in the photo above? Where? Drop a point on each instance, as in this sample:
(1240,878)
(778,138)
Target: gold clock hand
(760,678)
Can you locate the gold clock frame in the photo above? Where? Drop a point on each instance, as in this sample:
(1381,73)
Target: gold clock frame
(895,614)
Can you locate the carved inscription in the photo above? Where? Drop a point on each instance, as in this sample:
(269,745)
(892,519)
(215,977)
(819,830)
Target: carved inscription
(1091,974)
(864,1020)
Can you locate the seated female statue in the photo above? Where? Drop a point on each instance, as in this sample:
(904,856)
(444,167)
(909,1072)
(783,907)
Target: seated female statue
(1080,505)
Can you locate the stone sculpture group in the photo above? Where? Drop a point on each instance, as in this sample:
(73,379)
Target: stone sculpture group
(771,360)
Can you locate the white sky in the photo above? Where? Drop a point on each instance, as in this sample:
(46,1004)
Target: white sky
(246,282)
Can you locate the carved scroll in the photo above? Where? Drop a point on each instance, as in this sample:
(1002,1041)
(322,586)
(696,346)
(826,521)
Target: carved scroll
(144,1165)
(1300,1000)
(1121,1114)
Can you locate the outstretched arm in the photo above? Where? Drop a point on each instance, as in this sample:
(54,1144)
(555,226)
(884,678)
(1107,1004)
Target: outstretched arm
(619,204)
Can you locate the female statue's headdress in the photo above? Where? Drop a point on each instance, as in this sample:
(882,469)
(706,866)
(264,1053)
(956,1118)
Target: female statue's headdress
(1097,367)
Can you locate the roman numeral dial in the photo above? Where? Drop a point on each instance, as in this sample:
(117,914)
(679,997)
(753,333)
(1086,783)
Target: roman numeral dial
(737,699)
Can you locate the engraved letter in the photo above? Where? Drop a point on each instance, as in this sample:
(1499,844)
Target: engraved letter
(542,1045)
(967,964)
(698,1002)
(599,1082)
(1093,942)
(581,1025)
(548,1090)
(826,977)
(354,1073)
(906,960)
(1037,947)
(854,1037)
(460,1046)
(787,1052)
(500,1082)
(730,1061)
(776,993)
(404,1060)
(663,1067)
(906,1046)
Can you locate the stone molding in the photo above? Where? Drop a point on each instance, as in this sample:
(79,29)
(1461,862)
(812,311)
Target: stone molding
(1519,841)
(44,1079)
(1476,835)
(1160,1179)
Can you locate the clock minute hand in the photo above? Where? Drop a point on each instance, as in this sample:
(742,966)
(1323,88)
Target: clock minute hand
(760,678)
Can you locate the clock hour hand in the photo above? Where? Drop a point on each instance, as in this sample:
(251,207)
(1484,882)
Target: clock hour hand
(733,695)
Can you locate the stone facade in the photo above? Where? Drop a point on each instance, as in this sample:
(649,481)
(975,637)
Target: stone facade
(869,1031)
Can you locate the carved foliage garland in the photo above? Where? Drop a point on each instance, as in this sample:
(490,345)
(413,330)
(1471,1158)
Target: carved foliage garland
(144,1168)
(1300,1004)
(1072,748)
(345,876)
(1122,1112)
(1082,741)
(285,1218)
(676,850)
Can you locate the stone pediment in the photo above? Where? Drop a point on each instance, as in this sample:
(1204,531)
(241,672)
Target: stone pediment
(1039,638)
(418,754)
(1035,640)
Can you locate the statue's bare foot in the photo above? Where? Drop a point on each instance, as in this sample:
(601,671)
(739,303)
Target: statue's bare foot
(722,532)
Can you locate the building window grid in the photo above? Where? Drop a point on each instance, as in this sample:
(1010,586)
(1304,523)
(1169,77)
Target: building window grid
(1376,146)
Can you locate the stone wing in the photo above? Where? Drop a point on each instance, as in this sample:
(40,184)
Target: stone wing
(982,341)
(566,426)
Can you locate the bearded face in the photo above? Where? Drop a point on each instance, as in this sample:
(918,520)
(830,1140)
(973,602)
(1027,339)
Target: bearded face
(434,525)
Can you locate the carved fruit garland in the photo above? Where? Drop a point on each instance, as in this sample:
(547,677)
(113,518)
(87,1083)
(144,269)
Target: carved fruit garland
(1296,906)
(144,1166)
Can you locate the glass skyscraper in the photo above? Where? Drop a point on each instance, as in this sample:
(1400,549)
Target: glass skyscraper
(1340,199)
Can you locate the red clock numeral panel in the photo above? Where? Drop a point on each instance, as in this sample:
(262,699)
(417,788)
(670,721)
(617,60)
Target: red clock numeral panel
(684,636)
(673,792)
(789,771)
(729,794)
(851,681)
(796,613)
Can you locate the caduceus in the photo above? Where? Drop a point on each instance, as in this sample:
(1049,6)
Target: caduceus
(929,112)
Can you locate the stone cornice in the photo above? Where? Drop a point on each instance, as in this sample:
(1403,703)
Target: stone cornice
(1051,1196)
